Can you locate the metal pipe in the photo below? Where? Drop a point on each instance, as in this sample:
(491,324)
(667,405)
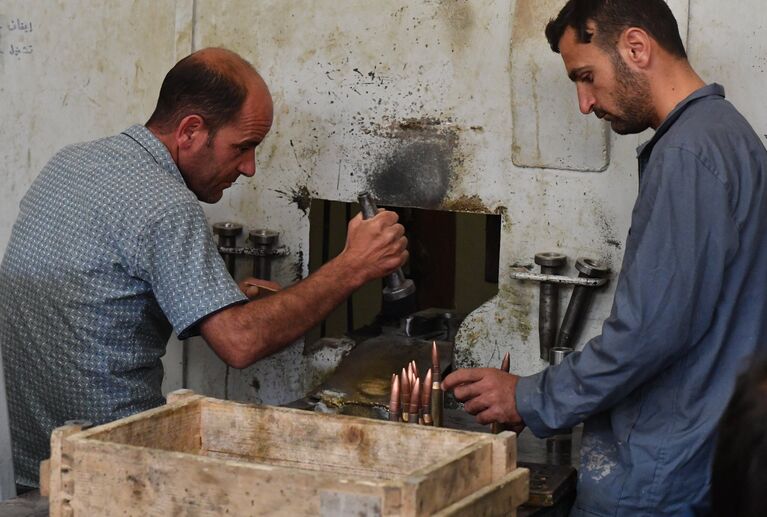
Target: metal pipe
(263,240)
(580,301)
(280,251)
(548,308)
(559,447)
(397,286)
(558,279)
(227,238)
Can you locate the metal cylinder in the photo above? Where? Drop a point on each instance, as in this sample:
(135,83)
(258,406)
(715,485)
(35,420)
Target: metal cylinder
(559,447)
(227,238)
(580,301)
(397,286)
(548,310)
(264,240)
(558,355)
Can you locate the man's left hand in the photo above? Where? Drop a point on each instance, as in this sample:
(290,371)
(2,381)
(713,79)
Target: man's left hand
(487,393)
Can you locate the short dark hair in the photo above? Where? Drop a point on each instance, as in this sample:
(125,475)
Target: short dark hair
(740,459)
(213,90)
(612,17)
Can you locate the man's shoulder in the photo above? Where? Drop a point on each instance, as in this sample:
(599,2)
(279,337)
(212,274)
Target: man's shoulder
(711,124)
(715,134)
(118,178)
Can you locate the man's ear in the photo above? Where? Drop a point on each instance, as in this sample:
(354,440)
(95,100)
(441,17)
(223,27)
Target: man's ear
(635,45)
(191,131)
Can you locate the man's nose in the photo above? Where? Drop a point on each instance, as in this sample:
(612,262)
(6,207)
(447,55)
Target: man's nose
(248,164)
(586,101)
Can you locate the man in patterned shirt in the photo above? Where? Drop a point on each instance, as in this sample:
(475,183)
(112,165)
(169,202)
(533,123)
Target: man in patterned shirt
(112,251)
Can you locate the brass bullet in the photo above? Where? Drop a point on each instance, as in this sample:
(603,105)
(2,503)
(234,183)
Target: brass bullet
(395,411)
(415,399)
(436,389)
(426,399)
(405,394)
(505,366)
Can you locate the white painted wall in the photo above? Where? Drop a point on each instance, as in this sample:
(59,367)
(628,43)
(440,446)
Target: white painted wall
(73,71)
(348,78)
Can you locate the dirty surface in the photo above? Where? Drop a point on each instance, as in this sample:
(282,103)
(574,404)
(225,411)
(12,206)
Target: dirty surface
(364,376)
(419,168)
(450,104)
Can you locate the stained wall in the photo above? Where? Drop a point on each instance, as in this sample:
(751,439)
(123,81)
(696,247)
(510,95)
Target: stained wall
(444,104)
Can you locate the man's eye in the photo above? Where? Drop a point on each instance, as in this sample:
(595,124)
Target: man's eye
(587,78)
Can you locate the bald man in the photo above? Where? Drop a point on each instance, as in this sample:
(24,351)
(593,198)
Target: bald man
(112,251)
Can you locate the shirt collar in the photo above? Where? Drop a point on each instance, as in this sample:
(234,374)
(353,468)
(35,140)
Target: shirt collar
(710,90)
(156,149)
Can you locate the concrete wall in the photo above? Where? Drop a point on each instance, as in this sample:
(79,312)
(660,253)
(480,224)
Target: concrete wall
(447,104)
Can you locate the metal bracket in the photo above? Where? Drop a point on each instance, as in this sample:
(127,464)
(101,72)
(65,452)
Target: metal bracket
(558,279)
(279,251)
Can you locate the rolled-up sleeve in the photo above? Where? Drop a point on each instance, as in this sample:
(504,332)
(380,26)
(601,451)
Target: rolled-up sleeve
(681,240)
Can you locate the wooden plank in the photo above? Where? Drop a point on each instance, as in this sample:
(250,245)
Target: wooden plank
(339,504)
(45,477)
(146,482)
(370,474)
(504,454)
(335,442)
(173,427)
(179,396)
(445,482)
(60,482)
(499,499)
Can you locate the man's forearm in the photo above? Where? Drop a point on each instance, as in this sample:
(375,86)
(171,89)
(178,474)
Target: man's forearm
(245,333)
(242,334)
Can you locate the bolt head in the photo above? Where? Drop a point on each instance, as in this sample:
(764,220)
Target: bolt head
(263,236)
(227,229)
(591,268)
(550,259)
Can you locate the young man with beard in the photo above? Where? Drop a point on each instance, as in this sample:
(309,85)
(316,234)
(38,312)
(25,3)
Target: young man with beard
(689,305)
(112,251)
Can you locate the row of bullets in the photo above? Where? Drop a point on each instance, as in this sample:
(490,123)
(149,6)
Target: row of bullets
(414,401)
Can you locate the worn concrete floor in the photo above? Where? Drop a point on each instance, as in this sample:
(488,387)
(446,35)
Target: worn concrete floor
(31,504)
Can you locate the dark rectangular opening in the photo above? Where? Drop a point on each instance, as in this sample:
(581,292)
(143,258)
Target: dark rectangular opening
(454,258)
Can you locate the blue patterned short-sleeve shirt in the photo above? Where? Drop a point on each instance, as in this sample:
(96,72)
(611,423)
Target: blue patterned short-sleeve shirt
(110,252)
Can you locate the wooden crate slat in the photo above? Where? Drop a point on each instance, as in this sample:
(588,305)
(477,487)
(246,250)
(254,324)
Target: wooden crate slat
(372,474)
(150,482)
(497,500)
(173,427)
(445,482)
(269,434)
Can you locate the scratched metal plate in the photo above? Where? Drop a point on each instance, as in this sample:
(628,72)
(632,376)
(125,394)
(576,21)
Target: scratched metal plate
(364,376)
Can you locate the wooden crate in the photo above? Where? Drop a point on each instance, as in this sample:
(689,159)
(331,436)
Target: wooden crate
(203,456)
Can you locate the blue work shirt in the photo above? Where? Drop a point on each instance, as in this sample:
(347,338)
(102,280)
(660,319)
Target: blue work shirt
(689,310)
(110,252)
